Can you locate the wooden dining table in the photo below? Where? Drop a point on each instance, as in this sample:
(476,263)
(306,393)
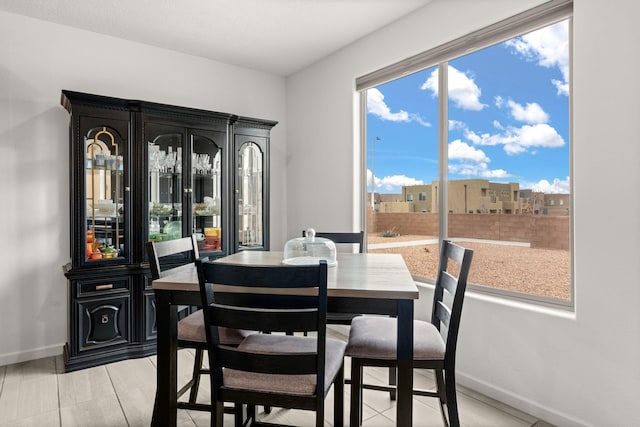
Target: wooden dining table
(359,283)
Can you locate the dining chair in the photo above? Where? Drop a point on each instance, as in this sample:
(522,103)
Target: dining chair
(346,239)
(164,258)
(373,340)
(349,240)
(276,369)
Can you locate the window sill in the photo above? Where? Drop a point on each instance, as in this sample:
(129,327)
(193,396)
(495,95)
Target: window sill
(531,303)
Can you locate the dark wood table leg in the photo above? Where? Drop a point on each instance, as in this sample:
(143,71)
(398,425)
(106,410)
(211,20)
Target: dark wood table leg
(404,404)
(165,409)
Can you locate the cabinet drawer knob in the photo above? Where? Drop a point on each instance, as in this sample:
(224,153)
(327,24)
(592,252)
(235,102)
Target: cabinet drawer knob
(103,287)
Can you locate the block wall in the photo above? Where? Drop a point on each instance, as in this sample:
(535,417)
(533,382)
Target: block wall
(540,231)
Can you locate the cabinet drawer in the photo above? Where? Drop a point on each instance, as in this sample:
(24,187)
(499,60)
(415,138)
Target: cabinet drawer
(103,286)
(103,322)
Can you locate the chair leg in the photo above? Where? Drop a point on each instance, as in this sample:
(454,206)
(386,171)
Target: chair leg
(442,395)
(217,414)
(238,415)
(338,398)
(355,418)
(195,378)
(393,380)
(251,415)
(452,401)
(320,415)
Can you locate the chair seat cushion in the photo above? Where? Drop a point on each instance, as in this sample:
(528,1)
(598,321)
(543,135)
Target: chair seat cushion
(374,337)
(300,385)
(191,328)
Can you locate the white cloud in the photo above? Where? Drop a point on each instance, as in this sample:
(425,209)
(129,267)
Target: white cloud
(459,150)
(469,161)
(463,91)
(456,124)
(557,186)
(391,183)
(397,181)
(561,86)
(549,46)
(495,173)
(519,140)
(377,107)
(477,170)
(531,113)
(540,135)
(416,118)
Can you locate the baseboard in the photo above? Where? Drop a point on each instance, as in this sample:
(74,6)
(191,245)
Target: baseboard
(33,354)
(521,403)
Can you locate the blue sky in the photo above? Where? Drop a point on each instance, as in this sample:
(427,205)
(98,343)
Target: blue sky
(508,118)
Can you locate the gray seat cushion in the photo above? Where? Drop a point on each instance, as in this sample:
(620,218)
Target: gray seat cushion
(300,385)
(191,328)
(376,338)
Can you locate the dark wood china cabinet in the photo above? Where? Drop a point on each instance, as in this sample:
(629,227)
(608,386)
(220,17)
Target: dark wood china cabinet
(144,171)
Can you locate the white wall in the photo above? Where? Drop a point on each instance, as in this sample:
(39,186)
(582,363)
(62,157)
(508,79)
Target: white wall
(571,369)
(37,61)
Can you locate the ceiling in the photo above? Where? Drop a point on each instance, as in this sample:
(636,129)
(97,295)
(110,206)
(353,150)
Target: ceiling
(276,36)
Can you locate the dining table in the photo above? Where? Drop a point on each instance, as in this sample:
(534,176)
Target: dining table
(364,283)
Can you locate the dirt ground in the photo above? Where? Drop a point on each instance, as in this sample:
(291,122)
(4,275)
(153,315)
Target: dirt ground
(542,272)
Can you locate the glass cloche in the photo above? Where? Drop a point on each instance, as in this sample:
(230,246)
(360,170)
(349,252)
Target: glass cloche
(310,250)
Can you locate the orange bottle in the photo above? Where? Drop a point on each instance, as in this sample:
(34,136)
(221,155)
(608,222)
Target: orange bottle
(90,241)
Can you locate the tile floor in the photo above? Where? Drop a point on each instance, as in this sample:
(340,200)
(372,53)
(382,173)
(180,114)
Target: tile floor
(39,393)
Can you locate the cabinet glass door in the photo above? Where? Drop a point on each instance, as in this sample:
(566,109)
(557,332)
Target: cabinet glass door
(165,190)
(104,150)
(250,193)
(206,186)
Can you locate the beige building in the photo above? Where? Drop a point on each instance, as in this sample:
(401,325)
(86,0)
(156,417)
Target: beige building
(389,203)
(421,196)
(556,204)
(474,196)
(532,202)
(467,196)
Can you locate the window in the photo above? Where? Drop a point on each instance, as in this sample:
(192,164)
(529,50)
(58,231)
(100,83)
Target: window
(499,141)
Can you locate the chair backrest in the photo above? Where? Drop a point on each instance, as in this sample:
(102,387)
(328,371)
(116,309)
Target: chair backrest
(167,255)
(267,298)
(447,309)
(353,238)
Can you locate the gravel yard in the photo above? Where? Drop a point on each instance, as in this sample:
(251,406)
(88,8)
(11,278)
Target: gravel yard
(542,272)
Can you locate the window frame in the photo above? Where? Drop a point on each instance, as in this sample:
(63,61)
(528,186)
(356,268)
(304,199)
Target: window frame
(538,17)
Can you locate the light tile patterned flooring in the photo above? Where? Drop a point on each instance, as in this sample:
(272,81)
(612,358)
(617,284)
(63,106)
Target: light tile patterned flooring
(39,393)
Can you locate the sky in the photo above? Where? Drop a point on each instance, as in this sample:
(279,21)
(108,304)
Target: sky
(508,118)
